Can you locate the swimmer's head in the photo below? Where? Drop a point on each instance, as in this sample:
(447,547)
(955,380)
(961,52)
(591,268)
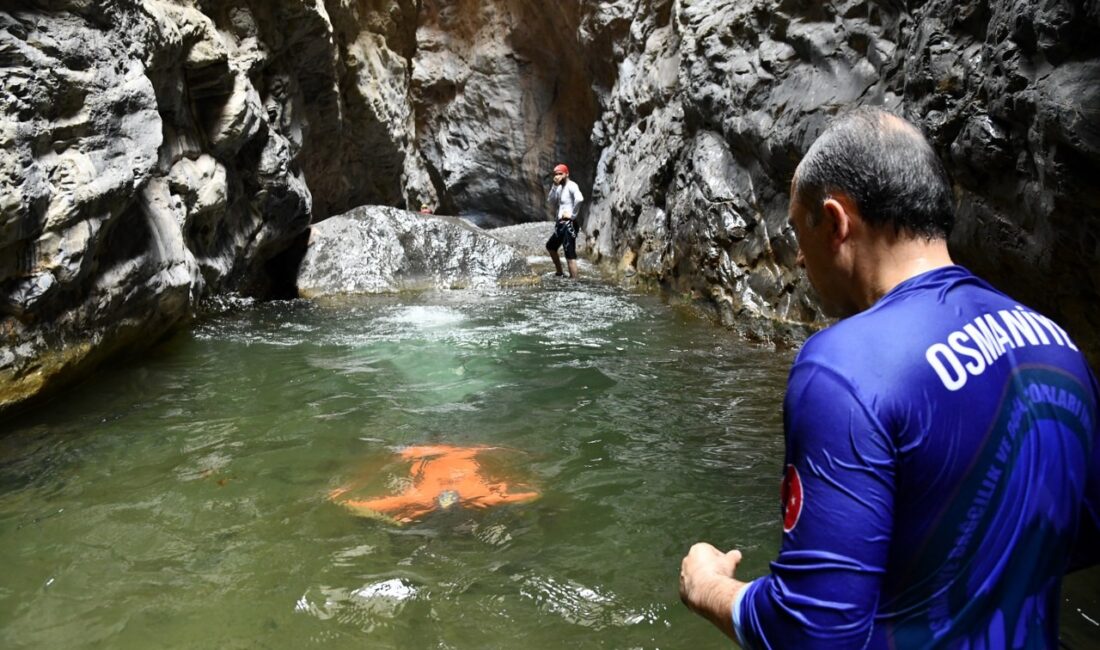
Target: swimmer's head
(447,498)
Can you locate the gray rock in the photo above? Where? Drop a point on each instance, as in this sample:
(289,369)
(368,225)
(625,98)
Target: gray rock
(501,93)
(530,238)
(376,249)
(1008,92)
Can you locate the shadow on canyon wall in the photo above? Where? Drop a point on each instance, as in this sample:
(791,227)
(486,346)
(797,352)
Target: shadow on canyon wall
(160,152)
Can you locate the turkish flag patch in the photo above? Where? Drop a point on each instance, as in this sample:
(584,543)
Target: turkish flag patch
(791,493)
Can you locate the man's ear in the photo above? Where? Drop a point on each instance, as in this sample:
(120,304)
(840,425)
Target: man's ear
(837,214)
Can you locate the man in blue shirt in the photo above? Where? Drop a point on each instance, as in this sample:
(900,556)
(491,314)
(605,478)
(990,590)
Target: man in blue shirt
(941,470)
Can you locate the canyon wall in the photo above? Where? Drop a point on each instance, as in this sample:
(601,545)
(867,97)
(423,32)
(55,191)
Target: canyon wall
(714,103)
(158,152)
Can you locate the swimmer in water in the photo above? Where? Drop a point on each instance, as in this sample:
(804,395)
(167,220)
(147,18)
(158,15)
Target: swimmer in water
(442,477)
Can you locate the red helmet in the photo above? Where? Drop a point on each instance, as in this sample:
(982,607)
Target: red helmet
(561,168)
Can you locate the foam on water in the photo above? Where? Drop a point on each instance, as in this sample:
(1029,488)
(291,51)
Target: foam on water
(425,316)
(577,312)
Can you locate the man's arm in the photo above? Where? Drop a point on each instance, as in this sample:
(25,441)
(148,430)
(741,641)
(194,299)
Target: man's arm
(1086,551)
(578,198)
(824,587)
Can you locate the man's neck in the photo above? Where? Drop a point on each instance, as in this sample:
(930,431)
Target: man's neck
(893,259)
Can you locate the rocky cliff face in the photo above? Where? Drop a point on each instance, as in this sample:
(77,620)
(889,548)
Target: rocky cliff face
(501,92)
(155,151)
(714,102)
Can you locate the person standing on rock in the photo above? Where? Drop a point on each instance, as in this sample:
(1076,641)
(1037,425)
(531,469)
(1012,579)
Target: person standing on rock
(942,465)
(564,199)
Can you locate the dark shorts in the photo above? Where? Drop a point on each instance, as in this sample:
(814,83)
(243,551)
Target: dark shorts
(565,234)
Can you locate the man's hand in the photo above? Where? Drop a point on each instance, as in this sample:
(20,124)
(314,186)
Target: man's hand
(707,584)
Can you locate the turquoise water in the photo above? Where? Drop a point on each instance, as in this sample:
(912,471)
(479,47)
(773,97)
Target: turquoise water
(182,501)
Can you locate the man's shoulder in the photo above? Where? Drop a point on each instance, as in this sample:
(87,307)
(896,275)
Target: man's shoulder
(860,331)
(886,338)
(910,312)
(943,323)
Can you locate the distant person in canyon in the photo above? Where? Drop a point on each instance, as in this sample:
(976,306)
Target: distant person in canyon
(942,470)
(565,198)
(425,208)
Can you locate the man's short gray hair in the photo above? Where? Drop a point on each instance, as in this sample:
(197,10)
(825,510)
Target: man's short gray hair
(883,164)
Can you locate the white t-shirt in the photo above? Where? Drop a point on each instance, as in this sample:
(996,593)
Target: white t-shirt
(566,197)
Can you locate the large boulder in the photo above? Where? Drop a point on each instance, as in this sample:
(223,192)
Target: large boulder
(377,249)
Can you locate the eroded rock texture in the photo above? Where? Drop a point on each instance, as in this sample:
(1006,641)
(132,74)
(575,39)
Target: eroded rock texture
(159,151)
(714,102)
(156,152)
(502,93)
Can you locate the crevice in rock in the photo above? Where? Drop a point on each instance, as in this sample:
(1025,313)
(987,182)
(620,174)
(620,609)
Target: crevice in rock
(282,269)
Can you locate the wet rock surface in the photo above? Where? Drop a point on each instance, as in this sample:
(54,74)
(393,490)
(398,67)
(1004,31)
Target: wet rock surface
(379,250)
(157,152)
(714,103)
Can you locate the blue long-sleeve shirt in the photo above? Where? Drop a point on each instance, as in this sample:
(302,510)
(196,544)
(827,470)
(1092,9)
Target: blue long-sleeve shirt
(941,462)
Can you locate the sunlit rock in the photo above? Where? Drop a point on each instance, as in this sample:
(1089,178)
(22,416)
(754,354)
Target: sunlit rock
(376,249)
(138,172)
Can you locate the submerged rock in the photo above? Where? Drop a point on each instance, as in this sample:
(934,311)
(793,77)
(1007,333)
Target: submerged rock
(376,249)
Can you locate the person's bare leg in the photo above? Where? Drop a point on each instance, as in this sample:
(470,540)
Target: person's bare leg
(557,260)
(572,268)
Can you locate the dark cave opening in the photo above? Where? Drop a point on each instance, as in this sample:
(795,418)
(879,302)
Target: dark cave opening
(282,269)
